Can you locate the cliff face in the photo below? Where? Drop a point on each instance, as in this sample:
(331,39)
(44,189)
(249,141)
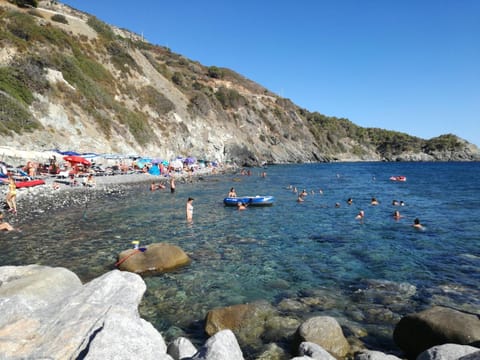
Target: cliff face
(70,81)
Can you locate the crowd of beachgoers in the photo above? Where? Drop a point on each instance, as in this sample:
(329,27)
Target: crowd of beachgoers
(30,186)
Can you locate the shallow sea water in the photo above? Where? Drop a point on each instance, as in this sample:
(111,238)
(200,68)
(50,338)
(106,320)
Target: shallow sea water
(289,250)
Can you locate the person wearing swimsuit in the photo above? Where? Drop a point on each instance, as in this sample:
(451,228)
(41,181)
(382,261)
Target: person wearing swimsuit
(12,195)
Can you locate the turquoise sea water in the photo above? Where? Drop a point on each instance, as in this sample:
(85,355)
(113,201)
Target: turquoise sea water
(362,271)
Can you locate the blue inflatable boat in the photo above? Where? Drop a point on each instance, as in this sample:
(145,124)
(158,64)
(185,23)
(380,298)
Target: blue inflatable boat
(249,200)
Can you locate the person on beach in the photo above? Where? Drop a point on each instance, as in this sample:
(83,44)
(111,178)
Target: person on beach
(31,169)
(89,181)
(349,201)
(172,184)
(12,194)
(4,225)
(417,224)
(396,215)
(374,202)
(189,209)
(300,198)
(232,193)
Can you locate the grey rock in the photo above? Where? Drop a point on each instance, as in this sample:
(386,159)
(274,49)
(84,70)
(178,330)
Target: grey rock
(124,336)
(221,346)
(472,356)
(181,348)
(314,351)
(52,316)
(374,355)
(449,352)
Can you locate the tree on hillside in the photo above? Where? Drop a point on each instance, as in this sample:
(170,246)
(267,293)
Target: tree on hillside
(25,3)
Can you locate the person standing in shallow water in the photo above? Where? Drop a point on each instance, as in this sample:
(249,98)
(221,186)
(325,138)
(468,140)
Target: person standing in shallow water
(172,184)
(189,209)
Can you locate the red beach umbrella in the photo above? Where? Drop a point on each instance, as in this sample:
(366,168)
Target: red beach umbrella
(77,160)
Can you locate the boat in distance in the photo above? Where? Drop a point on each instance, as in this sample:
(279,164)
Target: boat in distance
(398,178)
(249,200)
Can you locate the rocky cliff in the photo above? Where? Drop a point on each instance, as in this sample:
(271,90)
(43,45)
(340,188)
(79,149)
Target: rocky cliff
(69,81)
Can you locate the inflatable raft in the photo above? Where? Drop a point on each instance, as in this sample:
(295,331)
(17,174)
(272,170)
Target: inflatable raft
(249,200)
(29,183)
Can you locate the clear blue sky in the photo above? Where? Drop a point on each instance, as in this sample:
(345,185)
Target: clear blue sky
(404,65)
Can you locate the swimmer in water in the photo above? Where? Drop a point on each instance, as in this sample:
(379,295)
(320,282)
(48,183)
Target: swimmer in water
(417,224)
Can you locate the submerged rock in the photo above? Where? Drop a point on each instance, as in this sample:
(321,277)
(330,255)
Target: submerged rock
(160,257)
(247,321)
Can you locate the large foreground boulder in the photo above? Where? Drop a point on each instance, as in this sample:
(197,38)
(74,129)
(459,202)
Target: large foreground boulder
(160,257)
(439,325)
(98,320)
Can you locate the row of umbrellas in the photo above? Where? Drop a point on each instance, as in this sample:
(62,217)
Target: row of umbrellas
(177,163)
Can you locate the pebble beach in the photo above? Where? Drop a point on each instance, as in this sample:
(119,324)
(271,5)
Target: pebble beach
(59,192)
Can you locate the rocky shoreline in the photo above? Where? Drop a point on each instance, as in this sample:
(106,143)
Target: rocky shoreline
(47,313)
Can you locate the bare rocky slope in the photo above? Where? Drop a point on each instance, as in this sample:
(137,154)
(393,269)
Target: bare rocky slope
(69,81)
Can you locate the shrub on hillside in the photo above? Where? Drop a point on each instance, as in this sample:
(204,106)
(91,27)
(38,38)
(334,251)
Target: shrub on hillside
(230,98)
(25,3)
(215,72)
(101,28)
(59,18)
(14,116)
(178,78)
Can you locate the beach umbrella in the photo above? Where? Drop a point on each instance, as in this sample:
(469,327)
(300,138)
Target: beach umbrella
(69,153)
(190,160)
(176,164)
(143,161)
(77,160)
(154,170)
